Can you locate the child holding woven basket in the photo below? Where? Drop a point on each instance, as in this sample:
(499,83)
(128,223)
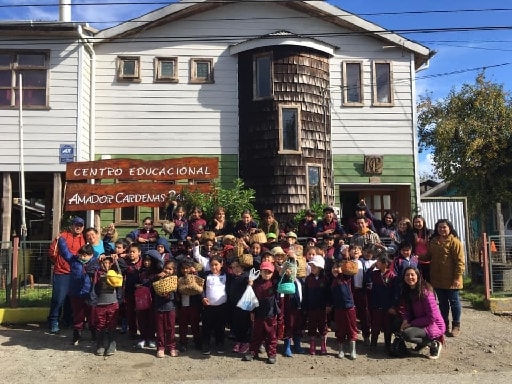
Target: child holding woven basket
(189,311)
(165,311)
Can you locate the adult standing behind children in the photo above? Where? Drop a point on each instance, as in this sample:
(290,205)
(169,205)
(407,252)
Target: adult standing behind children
(329,225)
(61,271)
(146,236)
(446,257)
(220,225)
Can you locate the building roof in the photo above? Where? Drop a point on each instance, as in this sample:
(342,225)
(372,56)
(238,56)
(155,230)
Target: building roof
(319,9)
(50,28)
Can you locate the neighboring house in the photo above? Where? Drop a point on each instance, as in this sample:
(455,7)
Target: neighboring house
(55,65)
(302,100)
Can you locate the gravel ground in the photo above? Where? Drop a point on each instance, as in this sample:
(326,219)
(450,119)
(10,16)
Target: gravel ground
(30,355)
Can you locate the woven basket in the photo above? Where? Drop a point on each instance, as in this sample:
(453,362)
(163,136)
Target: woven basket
(239,248)
(349,267)
(301,267)
(190,285)
(168,226)
(165,286)
(246,260)
(258,237)
(208,235)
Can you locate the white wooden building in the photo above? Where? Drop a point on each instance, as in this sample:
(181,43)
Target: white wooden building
(234,80)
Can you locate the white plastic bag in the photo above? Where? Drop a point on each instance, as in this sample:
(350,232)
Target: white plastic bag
(248,301)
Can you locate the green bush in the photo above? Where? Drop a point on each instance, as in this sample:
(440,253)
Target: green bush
(318,208)
(234,200)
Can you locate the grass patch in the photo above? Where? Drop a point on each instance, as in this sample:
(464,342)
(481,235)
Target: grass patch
(35,297)
(474,293)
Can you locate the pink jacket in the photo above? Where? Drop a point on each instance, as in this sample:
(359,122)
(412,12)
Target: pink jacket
(425,314)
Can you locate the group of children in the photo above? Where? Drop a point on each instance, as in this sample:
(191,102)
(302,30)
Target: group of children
(299,289)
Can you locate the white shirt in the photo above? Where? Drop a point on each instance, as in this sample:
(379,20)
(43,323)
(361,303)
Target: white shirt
(216,289)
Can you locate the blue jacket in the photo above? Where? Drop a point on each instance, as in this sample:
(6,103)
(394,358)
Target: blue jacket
(81,274)
(341,292)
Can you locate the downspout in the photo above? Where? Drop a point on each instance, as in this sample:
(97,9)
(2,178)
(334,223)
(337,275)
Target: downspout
(92,109)
(415,133)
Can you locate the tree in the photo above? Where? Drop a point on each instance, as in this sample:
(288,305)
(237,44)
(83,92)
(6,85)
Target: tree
(470,136)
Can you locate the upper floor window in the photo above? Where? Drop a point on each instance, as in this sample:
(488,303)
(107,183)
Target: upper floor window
(128,68)
(382,84)
(166,69)
(352,83)
(262,76)
(33,68)
(201,70)
(289,129)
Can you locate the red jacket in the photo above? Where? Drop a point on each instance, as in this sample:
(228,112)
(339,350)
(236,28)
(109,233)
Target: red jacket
(74,243)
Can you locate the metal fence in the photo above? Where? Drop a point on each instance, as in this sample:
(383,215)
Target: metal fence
(26,274)
(499,249)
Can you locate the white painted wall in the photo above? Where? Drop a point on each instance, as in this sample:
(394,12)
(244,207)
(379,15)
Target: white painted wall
(44,129)
(149,118)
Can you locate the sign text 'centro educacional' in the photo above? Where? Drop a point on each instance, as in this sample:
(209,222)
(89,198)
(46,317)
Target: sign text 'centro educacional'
(195,168)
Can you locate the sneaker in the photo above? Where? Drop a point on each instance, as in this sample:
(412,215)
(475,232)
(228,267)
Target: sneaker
(220,349)
(76,337)
(435,350)
(206,351)
(160,353)
(141,344)
(152,344)
(54,329)
(244,348)
(419,347)
(262,349)
(248,357)
(236,348)
(271,360)
(174,353)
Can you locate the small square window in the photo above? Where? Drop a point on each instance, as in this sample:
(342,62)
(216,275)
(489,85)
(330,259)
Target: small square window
(352,83)
(128,68)
(166,69)
(382,84)
(201,71)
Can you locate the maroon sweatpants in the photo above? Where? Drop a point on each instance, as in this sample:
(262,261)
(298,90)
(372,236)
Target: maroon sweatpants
(189,316)
(131,316)
(105,317)
(165,333)
(264,330)
(146,323)
(346,324)
(362,312)
(317,323)
(81,311)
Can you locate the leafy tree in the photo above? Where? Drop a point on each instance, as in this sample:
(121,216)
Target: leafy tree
(470,136)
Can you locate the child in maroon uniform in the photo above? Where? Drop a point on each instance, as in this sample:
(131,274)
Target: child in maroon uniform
(342,303)
(265,316)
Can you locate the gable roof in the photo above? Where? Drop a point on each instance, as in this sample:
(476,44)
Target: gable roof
(319,9)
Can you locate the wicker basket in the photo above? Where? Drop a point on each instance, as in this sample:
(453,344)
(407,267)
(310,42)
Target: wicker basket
(190,285)
(239,247)
(208,235)
(246,260)
(301,267)
(165,286)
(258,237)
(349,267)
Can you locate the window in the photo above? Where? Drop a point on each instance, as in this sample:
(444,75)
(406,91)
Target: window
(289,129)
(166,69)
(127,215)
(314,182)
(128,68)
(352,83)
(33,68)
(262,76)
(382,84)
(201,71)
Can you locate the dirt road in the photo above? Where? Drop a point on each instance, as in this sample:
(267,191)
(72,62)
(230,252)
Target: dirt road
(29,355)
